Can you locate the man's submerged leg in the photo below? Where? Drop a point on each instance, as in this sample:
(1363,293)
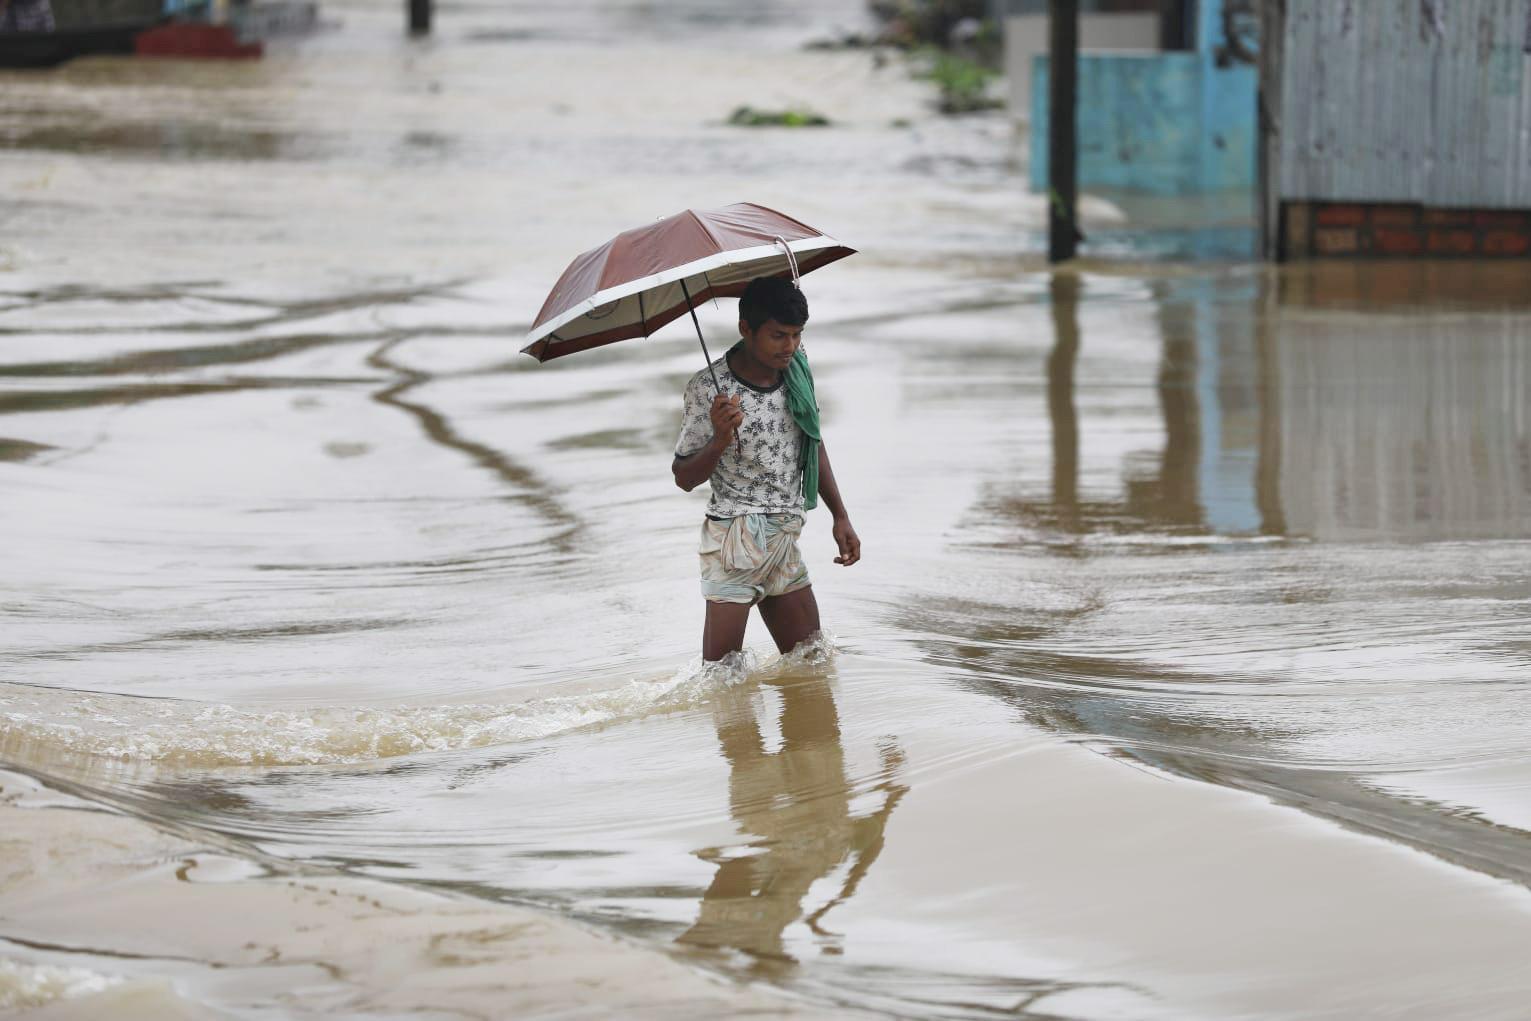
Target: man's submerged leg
(792,618)
(723,631)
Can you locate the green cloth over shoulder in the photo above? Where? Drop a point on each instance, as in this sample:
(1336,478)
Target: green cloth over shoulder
(804,407)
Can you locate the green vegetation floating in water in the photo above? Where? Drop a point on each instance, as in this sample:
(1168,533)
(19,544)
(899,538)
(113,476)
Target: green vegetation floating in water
(749,117)
(964,83)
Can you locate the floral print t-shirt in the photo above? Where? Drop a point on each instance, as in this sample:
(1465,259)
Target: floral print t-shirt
(767,477)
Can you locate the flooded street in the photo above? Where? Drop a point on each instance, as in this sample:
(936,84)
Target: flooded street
(348,658)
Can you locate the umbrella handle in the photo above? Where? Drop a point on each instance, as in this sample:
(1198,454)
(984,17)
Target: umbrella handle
(716,386)
(791,261)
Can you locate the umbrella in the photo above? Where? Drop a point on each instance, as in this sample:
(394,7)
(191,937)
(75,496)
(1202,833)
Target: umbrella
(648,276)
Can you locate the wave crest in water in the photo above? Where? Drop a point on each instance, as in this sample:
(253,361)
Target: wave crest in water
(203,735)
(27,986)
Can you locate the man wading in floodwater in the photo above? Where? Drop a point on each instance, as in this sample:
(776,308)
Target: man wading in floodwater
(761,484)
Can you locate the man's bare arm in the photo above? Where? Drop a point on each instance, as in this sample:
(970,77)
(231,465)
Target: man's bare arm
(694,469)
(845,536)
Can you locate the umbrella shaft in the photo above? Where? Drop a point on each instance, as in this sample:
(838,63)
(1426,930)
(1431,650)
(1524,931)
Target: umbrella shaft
(716,386)
(705,353)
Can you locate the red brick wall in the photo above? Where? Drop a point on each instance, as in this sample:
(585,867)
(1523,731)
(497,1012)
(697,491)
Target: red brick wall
(1389,230)
(192,40)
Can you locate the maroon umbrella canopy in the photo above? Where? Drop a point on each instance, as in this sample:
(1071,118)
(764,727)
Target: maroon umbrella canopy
(646,277)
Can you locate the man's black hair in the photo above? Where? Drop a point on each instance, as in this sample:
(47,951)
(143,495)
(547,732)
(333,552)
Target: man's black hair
(772,298)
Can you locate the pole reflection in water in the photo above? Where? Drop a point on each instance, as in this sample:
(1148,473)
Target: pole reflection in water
(1162,487)
(1171,495)
(796,803)
(1060,398)
(1268,461)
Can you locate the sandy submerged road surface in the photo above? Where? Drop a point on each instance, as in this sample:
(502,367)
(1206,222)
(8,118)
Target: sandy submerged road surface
(177,928)
(347,658)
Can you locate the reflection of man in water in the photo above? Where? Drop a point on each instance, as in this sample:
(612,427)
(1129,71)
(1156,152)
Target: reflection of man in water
(26,16)
(797,801)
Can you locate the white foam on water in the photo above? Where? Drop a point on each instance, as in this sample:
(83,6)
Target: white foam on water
(204,735)
(28,986)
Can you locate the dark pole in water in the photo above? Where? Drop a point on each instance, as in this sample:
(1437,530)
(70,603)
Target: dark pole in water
(419,17)
(1062,175)
(1268,111)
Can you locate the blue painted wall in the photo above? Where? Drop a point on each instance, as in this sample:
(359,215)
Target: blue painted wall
(1158,123)
(1230,105)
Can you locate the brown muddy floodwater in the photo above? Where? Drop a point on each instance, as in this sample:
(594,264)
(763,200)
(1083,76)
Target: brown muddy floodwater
(348,658)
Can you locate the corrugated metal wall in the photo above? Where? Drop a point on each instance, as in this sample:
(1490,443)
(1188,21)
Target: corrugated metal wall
(1424,101)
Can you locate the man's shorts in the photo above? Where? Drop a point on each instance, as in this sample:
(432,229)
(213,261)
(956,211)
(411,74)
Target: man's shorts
(751,557)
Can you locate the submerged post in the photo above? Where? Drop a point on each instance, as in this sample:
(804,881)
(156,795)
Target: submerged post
(1268,112)
(1062,89)
(419,16)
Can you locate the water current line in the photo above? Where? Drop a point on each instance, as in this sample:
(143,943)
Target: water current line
(535,492)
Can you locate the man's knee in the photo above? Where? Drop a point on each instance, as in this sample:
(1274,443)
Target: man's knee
(786,602)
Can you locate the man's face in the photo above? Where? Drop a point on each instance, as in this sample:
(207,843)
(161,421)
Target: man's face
(773,344)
